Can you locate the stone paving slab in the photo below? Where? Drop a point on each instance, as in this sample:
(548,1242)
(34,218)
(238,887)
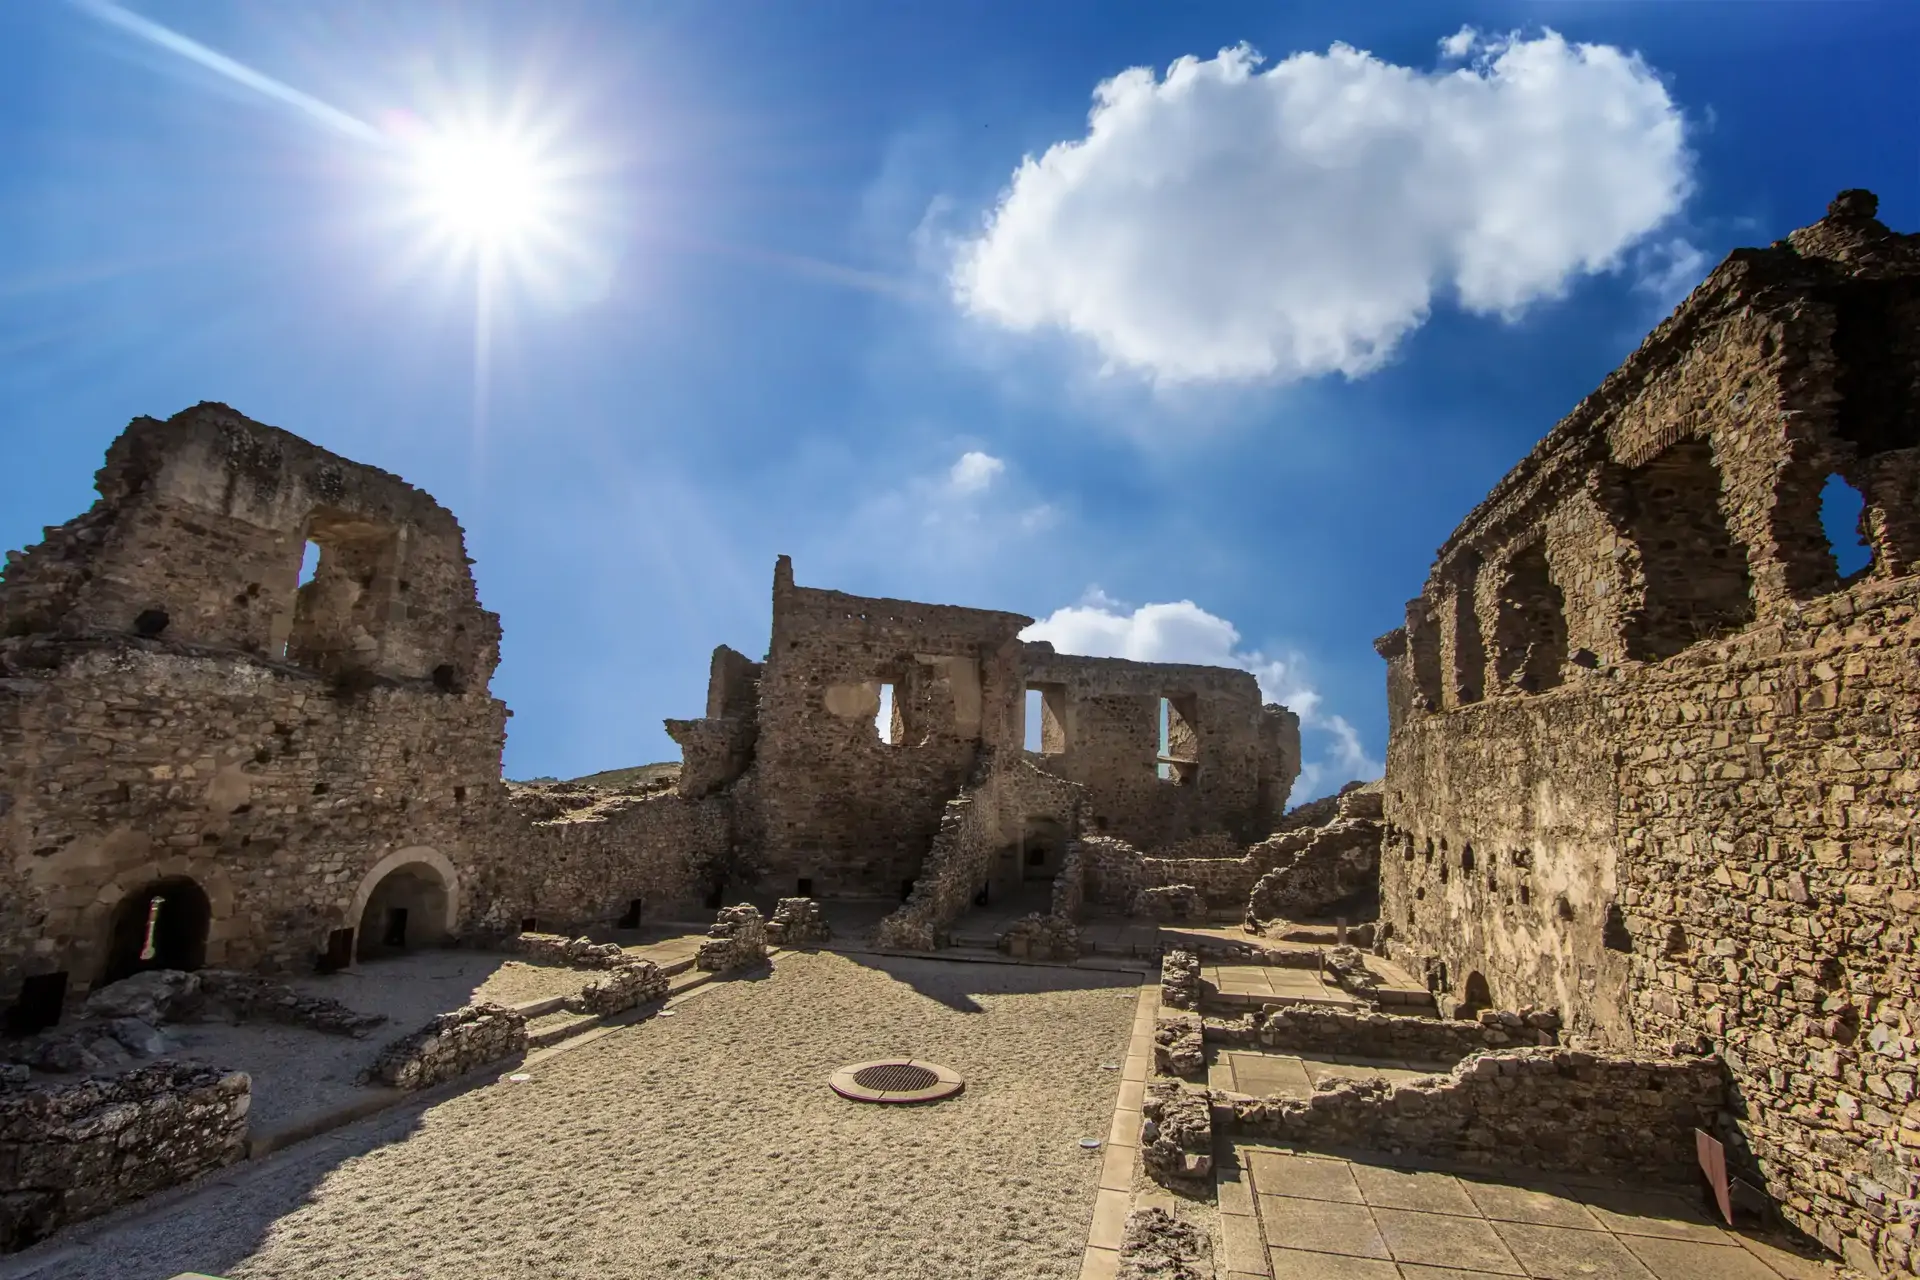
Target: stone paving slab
(1362,1217)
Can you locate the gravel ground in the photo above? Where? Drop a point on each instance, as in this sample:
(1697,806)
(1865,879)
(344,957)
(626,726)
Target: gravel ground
(706,1145)
(297,1071)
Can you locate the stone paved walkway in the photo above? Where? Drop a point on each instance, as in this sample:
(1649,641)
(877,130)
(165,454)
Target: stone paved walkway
(1296,1216)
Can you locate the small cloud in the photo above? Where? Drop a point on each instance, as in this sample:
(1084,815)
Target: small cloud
(975,471)
(1669,270)
(1458,45)
(1237,222)
(1102,627)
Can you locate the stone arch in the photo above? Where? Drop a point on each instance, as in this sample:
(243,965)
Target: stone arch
(165,924)
(137,872)
(419,881)
(1475,996)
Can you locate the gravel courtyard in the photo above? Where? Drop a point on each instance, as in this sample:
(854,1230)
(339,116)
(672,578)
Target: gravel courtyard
(707,1145)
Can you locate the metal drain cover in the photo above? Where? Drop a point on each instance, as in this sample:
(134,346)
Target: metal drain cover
(896,1080)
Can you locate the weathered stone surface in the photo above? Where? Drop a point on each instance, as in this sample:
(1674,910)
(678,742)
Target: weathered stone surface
(1341,1033)
(1339,865)
(737,940)
(1652,761)
(450,1045)
(1180,980)
(1155,1245)
(634,983)
(1042,938)
(1179,1049)
(1176,1134)
(798,922)
(574,953)
(150,996)
(1527,1108)
(1180,902)
(75,1150)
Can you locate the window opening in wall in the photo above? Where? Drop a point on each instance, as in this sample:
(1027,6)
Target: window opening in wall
(42,997)
(1530,630)
(803,887)
(1466,858)
(1697,583)
(529,924)
(1613,931)
(1469,651)
(1046,718)
(1179,753)
(164,926)
(885,724)
(309,563)
(1842,512)
(344,594)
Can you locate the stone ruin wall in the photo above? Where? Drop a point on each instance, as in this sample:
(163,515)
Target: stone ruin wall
(843,810)
(173,706)
(1230,763)
(1653,763)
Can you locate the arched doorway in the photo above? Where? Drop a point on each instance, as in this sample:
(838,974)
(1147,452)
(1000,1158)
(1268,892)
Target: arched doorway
(407,909)
(163,926)
(1478,996)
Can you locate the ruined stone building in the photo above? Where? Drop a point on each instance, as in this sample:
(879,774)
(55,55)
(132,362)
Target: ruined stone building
(1654,761)
(205,759)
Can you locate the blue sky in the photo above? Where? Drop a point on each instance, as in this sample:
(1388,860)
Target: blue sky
(1206,376)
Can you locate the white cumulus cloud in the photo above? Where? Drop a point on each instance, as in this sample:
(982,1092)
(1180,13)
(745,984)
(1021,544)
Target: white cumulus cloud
(1101,627)
(975,471)
(1228,222)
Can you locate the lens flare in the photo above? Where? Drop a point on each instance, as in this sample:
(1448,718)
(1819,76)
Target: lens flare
(484,190)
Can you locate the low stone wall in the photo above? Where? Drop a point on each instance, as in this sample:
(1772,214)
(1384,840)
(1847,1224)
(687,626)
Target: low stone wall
(798,922)
(737,940)
(1180,902)
(634,983)
(77,1150)
(1176,1134)
(571,953)
(450,1046)
(1533,1108)
(1039,937)
(1115,873)
(1179,1046)
(1320,1030)
(1180,980)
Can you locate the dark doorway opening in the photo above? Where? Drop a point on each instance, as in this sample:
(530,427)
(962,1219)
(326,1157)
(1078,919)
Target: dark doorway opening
(631,920)
(906,890)
(339,952)
(396,934)
(985,895)
(42,997)
(529,924)
(804,887)
(717,895)
(163,926)
(1479,996)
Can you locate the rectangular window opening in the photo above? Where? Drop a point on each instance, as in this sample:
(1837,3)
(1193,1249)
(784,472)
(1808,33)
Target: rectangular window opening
(803,887)
(1179,754)
(1046,719)
(886,721)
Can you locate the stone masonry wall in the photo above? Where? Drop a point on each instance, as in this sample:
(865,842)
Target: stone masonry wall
(450,1045)
(1653,762)
(1531,1108)
(1232,761)
(76,1150)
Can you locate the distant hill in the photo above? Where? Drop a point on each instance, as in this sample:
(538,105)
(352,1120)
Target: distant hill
(640,775)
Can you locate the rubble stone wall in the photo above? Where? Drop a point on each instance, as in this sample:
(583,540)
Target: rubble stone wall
(1379,1035)
(450,1045)
(1653,762)
(74,1151)
(1233,761)
(1531,1108)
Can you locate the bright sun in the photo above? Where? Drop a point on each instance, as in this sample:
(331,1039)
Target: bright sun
(485,190)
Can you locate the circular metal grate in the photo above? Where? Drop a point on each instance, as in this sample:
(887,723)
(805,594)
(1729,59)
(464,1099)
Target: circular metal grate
(896,1077)
(896,1080)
